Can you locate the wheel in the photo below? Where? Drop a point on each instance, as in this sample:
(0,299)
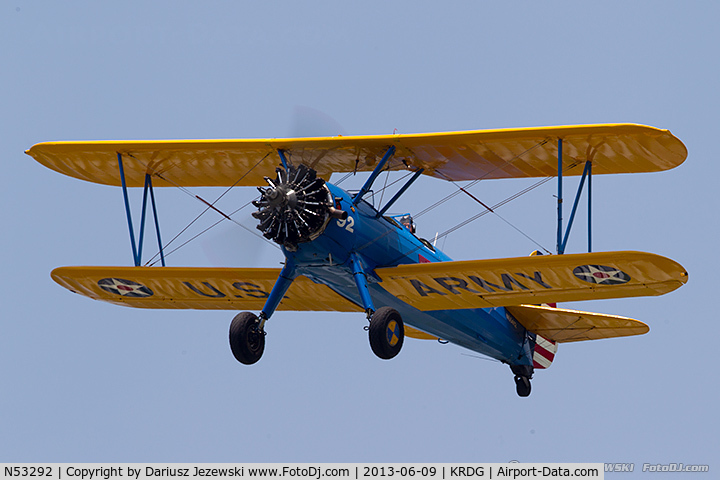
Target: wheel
(522,385)
(386,333)
(247,341)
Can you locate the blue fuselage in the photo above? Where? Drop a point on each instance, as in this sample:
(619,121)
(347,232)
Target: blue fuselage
(381,242)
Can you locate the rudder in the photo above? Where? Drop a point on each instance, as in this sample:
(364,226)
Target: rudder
(544,351)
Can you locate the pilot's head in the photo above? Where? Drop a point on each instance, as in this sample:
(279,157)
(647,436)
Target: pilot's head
(407,222)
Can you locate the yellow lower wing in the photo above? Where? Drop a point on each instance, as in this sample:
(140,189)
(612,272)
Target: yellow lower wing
(560,325)
(197,288)
(532,280)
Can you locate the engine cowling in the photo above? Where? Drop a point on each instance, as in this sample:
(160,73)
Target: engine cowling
(295,207)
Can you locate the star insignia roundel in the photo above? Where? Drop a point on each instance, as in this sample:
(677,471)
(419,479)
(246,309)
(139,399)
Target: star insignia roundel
(601,274)
(126,288)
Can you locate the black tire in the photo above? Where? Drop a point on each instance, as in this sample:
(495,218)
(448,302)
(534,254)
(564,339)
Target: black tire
(247,341)
(387,333)
(522,385)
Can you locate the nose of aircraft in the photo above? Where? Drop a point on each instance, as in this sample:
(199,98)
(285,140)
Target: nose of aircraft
(295,206)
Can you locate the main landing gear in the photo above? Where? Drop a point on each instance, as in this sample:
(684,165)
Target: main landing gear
(386,332)
(247,338)
(523,374)
(247,333)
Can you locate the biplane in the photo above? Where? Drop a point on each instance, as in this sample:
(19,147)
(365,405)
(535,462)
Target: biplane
(344,254)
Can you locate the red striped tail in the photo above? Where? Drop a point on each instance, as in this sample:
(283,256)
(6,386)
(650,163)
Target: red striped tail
(543,352)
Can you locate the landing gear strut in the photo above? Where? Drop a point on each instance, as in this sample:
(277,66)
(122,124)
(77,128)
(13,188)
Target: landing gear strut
(247,330)
(523,374)
(247,338)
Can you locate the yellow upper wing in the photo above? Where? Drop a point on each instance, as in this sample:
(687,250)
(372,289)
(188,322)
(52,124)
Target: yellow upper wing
(532,280)
(502,153)
(197,288)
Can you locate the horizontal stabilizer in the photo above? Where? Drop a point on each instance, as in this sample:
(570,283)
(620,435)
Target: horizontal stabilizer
(532,280)
(467,155)
(561,325)
(197,288)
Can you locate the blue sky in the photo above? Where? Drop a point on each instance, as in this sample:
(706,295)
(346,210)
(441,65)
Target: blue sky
(88,381)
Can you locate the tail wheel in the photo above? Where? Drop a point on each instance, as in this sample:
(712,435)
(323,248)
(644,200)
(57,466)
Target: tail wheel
(247,341)
(522,385)
(387,333)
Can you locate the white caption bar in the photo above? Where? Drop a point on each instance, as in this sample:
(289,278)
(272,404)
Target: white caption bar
(298,471)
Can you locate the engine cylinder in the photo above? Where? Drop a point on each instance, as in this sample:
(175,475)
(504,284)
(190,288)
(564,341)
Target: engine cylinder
(295,207)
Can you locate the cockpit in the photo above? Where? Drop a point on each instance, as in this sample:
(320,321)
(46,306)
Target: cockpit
(406,221)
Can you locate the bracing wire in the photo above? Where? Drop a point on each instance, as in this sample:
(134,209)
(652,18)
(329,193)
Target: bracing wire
(480,358)
(487,209)
(209,206)
(388,168)
(213,226)
(492,209)
(347,175)
(444,199)
(475,181)
(382,191)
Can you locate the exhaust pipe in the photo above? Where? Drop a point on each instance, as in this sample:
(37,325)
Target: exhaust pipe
(337,213)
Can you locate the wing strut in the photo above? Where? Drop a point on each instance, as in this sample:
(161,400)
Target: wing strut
(283,159)
(399,193)
(587,172)
(137,249)
(369,182)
